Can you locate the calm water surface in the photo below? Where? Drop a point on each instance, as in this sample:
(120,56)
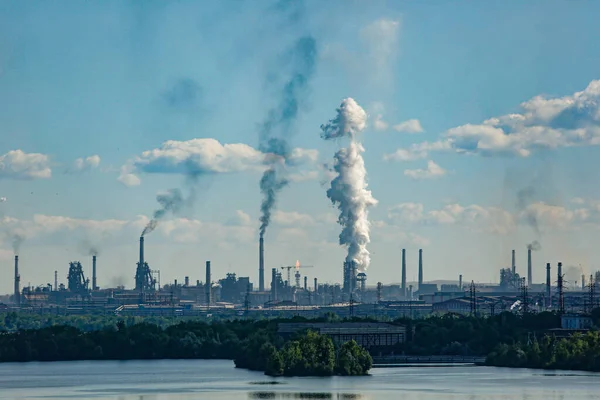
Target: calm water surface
(183,380)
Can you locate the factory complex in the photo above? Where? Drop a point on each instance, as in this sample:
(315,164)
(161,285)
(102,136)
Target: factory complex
(291,293)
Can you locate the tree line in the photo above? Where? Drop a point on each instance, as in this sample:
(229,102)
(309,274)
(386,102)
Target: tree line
(575,352)
(27,337)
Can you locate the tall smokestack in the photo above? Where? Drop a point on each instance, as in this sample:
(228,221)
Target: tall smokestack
(404,272)
(261,265)
(582,282)
(207,286)
(141,251)
(548,286)
(420,268)
(460,282)
(56,281)
(94,286)
(514,265)
(305,283)
(274,284)
(529,268)
(559,271)
(17,294)
(316,286)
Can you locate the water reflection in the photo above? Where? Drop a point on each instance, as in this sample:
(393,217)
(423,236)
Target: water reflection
(306,395)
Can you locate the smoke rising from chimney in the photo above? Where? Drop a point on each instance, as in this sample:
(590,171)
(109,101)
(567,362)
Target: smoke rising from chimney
(279,125)
(534,246)
(524,197)
(348,189)
(17,241)
(171,201)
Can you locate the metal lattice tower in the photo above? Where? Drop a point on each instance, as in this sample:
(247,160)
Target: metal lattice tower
(561,293)
(473,296)
(591,294)
(525,296)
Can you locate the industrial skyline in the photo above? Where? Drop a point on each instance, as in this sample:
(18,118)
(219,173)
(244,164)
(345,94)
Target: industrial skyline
(170,119)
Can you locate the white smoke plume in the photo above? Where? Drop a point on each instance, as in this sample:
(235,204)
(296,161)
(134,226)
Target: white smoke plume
(348,189)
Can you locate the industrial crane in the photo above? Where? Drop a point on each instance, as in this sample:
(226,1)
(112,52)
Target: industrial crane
(297,274)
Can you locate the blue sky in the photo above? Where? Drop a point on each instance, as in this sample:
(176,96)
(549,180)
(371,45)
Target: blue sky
(117,79)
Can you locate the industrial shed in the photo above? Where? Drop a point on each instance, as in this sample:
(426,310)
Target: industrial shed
(372,336)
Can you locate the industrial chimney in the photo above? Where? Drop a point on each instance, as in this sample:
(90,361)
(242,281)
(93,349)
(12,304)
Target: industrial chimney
(316,286)
(420,268)
(404,272)
(548,286)
(305,283)
(582,282)
(141,251)
(207,286)
(460,282)
(529,268)
(17,294)
(261,265)
(56,281)
(94,286)
(273,284)
(559,271)
(514,264)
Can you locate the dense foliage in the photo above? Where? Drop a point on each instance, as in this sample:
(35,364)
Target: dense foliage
(460,335)
(12,321)
(576,352)
(254,344)
(314,355)
(310,354)
(122,342)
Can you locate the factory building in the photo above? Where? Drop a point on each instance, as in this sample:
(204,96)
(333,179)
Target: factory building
(375,337)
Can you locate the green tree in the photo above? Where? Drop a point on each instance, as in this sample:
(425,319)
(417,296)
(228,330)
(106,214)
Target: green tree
(353,360)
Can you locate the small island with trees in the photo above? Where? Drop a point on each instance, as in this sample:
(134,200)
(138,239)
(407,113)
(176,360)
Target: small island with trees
(310,354)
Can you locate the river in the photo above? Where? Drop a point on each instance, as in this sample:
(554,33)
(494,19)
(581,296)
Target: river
(203,380)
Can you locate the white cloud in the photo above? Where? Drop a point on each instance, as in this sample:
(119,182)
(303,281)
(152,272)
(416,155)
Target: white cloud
(240,218)
(543,123)
(586,213)
(415,151)
(129,179)
(473,217)
(381,40)
(204,156)
(406,212)
(292,218)
(3,199)
(17,164)
(548,215)
(45,227)
(409,126)
(432,171)
(85,164)
(379,124)
(390,233)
